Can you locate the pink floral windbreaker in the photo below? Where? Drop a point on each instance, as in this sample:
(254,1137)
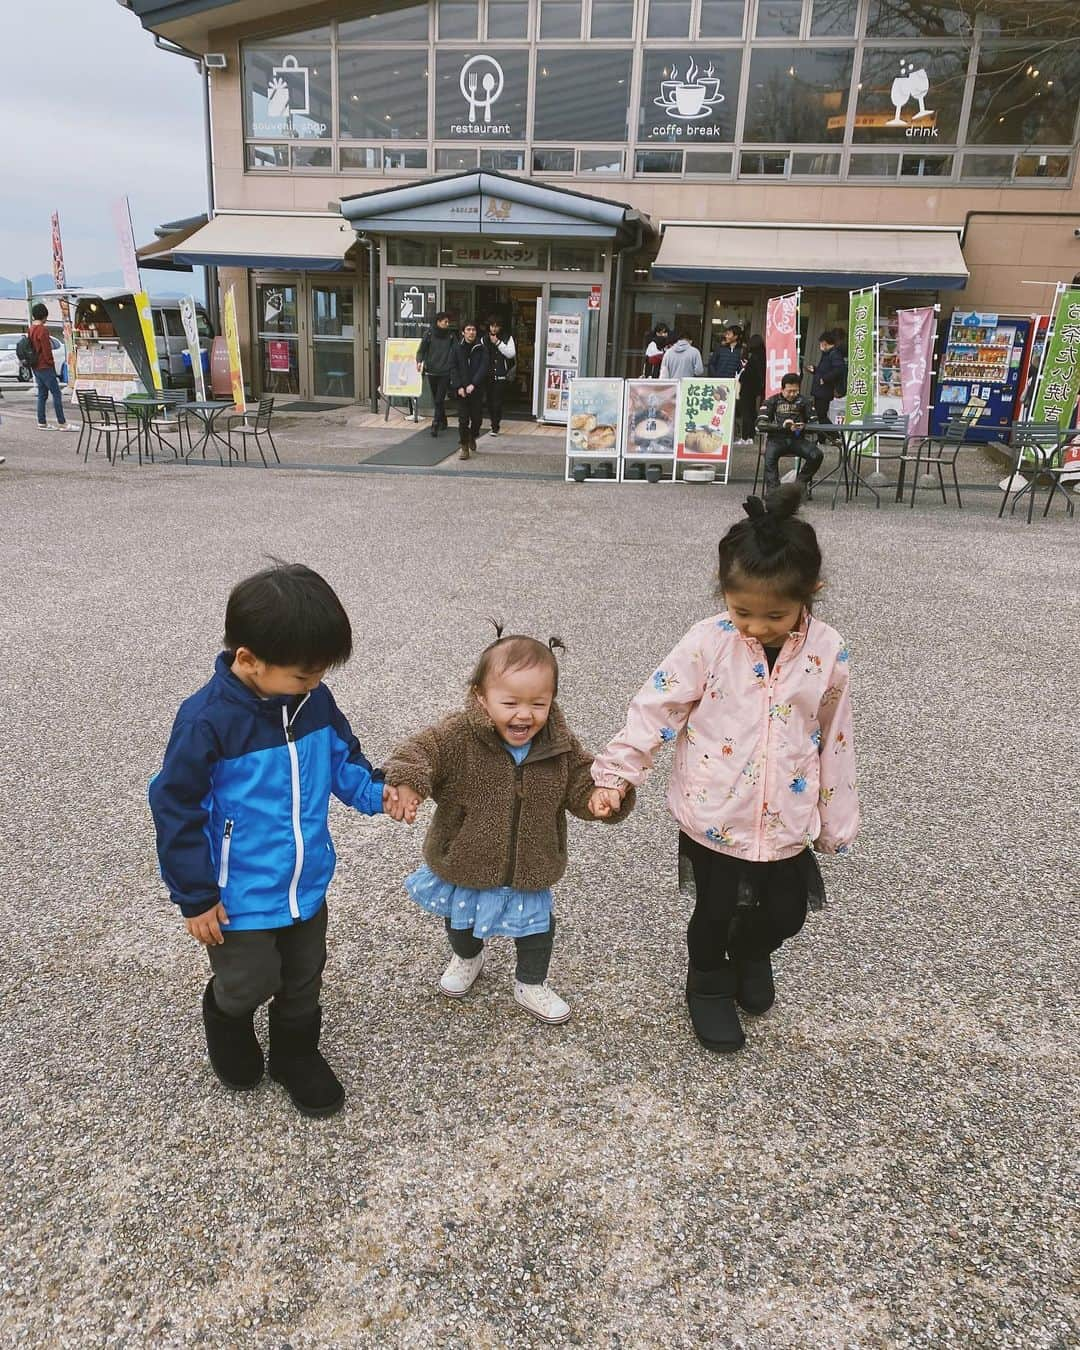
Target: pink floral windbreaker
(764,762)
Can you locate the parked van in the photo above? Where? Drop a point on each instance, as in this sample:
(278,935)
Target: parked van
(176,372)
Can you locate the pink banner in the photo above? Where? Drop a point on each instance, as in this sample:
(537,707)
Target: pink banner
(781,340)
(915,344)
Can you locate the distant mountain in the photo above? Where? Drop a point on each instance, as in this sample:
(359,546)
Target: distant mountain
(163,285)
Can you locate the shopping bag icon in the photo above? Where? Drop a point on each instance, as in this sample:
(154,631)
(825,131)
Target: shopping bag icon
(288,91)
(412,304)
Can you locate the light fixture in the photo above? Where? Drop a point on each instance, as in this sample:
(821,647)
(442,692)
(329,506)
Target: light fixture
(215,61)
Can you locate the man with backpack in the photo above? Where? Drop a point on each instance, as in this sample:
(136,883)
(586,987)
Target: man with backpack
(35,351)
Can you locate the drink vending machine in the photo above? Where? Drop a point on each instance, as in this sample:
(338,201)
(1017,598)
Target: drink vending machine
(981,373)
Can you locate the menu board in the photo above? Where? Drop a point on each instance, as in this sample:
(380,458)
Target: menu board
(651,410)
(562,353)
(706,421)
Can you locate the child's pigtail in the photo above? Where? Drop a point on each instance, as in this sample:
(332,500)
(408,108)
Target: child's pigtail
(556,644)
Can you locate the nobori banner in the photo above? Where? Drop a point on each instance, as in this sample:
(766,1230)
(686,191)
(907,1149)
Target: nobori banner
(862,355)
(1059,382)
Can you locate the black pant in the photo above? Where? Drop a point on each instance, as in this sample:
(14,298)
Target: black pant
(786,443)
(470,415)
(732,921)
(746,413)
(285,964)
(821,409)
(495,392)
(439,386)
(533,952)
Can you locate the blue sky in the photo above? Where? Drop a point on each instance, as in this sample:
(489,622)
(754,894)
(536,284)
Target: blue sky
(91,111)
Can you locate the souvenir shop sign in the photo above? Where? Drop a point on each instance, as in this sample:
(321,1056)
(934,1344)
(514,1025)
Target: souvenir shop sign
(1060,381)
(706,421)
(595,418)
(401,379)
(862,354)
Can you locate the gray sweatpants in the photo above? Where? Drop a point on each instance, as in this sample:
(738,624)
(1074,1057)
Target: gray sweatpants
(285,964)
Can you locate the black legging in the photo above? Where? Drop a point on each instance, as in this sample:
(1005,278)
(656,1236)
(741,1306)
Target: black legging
(721,929)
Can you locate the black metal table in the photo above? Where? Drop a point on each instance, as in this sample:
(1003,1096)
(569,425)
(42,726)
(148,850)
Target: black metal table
(207,411)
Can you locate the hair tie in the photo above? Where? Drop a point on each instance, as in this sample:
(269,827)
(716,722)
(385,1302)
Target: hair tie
(556,644)
(754,508)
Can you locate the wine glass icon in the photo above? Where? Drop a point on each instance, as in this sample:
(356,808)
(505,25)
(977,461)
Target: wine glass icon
(910,83)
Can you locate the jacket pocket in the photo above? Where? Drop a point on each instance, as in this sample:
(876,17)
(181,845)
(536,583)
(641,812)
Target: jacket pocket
(453,820)
(226,849)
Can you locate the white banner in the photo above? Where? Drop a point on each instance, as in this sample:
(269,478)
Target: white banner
(191,332)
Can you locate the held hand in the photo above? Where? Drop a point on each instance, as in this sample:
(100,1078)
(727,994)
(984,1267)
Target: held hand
(401,803)
(461,393)
(420,367)
(469,388)
(604,802)
(207,927)
(788,424)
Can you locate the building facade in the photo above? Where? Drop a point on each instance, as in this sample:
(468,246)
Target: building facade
(750,145)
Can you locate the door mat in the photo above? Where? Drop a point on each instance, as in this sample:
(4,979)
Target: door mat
(420,449)
(307,407)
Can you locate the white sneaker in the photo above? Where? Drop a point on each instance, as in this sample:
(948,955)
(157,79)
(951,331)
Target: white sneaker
(460,975)
(65,426)
(542,1002)
(44,426)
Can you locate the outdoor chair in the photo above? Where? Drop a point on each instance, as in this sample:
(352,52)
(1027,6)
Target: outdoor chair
(1036,446)
(111,421)
(1055,469)
(257,429)
(936,453)
(167,422)
(81,396)
(890,445)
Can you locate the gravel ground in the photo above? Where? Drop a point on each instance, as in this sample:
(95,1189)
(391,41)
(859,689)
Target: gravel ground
(889,1162)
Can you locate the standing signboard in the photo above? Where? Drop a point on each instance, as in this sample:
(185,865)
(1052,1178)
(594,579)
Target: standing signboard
(562,361)
(706,422)
(594,421)
(232,342)
(781,339)
(190,321)
(652,408)
(401,378)
(862,355)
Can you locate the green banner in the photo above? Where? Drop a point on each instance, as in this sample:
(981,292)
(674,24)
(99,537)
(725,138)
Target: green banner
(862,371)
(1060,383)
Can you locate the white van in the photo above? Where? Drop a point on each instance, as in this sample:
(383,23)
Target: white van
(176,372)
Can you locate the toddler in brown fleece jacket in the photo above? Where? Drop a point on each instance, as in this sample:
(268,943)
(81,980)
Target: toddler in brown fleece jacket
(503,773)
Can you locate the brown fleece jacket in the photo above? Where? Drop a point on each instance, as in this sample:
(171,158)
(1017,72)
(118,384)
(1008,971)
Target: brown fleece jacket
(497,823)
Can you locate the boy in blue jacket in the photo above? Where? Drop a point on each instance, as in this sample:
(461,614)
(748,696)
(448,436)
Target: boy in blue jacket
(240,808)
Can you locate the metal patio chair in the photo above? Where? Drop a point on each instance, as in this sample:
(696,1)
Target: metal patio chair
(257,429)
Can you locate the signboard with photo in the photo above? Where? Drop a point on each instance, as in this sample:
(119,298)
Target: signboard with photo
(564,340)
(651,414)
(595,418)
(401,379)
(557,394)
(706,421)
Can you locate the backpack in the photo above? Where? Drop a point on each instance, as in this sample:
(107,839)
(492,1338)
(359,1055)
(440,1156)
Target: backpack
(24,350)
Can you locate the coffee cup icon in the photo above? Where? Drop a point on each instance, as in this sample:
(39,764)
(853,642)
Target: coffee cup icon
(689,99)
(692,96)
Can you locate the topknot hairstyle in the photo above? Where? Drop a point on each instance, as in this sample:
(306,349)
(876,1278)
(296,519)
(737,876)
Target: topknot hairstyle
(516,651)
(772,547)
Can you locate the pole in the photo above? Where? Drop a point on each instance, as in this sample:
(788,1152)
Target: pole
(212,307)
(876,478)
(373,315)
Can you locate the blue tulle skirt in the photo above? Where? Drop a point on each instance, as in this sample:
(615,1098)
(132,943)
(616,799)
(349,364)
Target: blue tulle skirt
(501,911)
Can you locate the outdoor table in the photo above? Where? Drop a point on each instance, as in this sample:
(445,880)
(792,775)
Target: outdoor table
(143,408)
(207,411)
(852,436)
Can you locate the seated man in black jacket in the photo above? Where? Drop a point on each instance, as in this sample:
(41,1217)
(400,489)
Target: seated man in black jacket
(468,373)
(786,414)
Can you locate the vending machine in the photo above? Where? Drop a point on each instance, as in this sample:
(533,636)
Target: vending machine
(980,373)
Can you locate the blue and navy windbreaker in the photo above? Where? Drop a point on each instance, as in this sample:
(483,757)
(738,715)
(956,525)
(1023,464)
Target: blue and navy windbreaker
(241,802)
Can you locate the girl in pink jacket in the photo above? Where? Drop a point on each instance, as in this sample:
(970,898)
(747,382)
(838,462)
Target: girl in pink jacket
(757,703)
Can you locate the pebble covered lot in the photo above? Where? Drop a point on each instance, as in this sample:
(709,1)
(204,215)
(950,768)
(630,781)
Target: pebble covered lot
(892,1159)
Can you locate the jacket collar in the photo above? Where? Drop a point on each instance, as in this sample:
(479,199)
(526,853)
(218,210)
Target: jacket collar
(795,640)
(236,691)
(553,738)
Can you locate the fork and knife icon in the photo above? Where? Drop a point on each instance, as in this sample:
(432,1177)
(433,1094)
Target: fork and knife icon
(481,90)
(488,84)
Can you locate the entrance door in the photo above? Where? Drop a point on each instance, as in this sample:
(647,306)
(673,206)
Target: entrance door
(516,309)
(277,327)
(333,341)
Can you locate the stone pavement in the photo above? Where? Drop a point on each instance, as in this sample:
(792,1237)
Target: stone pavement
(890,1162)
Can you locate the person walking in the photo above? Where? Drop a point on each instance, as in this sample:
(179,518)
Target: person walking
(502,354)
(681,361)
(468,374)
(751,389)
(44,369)
(656,344)
(726,361)
(830,376)
(433,360)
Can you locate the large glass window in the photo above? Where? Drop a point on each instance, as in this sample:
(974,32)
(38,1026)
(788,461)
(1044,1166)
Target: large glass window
(582,95)
(458,18)
(560,18)
(287,92)
(382,92)
(1025,96)
(612,18)
(391,23)
(834,18)
(798,96)
(908,94)
(508,19)
(481,95)
(916,18)
(722,18)
(689,97)
(779,18)
(669,19)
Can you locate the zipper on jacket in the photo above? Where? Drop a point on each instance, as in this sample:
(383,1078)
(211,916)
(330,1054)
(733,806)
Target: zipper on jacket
(223,867)
(298,834)
(515,818)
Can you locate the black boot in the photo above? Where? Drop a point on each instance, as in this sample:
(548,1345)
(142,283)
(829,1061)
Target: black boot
(756,992)
(235,1053)
(710,996)
(295,1062)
